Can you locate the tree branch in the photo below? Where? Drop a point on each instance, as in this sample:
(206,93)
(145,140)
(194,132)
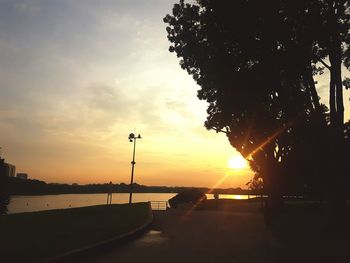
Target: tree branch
(323,63)
(219,130)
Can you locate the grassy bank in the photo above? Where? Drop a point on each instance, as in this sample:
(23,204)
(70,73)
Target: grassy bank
(32,237)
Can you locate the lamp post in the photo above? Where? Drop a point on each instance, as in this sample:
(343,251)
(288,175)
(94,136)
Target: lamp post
(132,138)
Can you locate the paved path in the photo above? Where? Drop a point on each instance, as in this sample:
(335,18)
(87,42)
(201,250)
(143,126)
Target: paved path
(198,236)
(236,236)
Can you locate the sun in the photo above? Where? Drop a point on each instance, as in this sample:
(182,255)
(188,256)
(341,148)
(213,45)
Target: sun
(237,162)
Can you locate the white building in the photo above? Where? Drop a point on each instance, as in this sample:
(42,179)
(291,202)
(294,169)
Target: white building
(7,169)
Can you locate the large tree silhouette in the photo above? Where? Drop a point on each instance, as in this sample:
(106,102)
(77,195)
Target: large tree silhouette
(255,63)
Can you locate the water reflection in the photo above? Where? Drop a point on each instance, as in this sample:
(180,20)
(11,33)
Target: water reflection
(20,204)
(228,196)
(46,202)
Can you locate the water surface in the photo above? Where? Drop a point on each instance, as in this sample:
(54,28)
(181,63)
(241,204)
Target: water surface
(20,204)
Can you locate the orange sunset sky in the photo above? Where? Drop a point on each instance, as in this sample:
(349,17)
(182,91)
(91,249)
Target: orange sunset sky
(78,76)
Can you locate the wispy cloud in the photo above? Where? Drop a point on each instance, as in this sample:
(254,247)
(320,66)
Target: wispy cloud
(78,76)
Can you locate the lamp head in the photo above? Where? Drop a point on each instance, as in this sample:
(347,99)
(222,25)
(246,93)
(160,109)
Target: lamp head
(139,137)
(131,136)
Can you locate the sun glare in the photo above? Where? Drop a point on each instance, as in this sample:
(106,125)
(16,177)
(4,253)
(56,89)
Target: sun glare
(237,162)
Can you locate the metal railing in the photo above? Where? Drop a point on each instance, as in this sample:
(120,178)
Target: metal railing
(159,205)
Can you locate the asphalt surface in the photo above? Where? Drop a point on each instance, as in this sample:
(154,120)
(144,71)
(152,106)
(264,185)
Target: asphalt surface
(235,235)
(198,236)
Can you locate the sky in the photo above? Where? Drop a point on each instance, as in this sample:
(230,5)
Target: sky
(76,77)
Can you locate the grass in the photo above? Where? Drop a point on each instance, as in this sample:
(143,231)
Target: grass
(35,236)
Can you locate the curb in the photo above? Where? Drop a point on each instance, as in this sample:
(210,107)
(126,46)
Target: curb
(76,254)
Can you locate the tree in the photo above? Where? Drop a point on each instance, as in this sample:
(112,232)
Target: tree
(255,63)
(4,196)
(256,186)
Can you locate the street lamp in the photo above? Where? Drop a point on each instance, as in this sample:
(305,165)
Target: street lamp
(132,138)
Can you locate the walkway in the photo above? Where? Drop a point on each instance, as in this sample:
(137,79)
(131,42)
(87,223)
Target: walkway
(198,236)
(238,235)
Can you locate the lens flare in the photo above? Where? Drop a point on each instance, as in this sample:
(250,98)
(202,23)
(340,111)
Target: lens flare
(237,162)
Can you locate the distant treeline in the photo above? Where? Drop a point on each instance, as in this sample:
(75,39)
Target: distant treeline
(36,187)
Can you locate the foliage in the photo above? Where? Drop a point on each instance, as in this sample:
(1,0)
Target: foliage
(36,187)
(4,184)
(187,196)
(256,185)
(255,63)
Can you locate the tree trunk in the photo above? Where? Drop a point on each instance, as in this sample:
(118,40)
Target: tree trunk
(333,110)
(337,191)
(272,185)
(313,91)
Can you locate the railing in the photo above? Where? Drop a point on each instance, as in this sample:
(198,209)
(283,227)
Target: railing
(159,205)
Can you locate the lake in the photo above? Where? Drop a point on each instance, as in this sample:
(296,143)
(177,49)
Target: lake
(21,204)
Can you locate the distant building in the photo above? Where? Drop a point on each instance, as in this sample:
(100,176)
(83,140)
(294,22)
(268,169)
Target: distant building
(22,176)
(7,169)
(11,170)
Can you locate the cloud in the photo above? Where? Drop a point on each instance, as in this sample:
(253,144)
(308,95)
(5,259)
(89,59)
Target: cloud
(108,99)
(78,76)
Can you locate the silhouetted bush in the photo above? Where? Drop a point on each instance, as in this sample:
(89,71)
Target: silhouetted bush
(188,196)
(4,196)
